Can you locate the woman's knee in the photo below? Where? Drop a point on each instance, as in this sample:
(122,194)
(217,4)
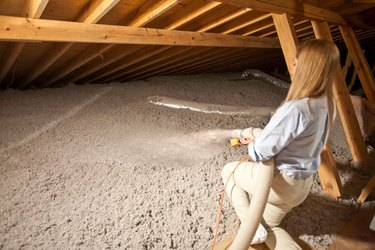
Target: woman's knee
(228,169)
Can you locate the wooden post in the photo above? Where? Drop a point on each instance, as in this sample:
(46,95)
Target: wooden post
(288,40)
(360,63)
(344,105)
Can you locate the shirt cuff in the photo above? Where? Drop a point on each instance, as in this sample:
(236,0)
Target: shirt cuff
(253,155)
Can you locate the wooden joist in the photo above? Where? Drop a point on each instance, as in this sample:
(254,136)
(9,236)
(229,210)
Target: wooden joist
(344,105)
(289,43)
(291,7)
(22,29)
(360,63)
(33,9)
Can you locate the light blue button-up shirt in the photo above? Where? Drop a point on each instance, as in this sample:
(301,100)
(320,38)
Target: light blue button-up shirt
(295,137)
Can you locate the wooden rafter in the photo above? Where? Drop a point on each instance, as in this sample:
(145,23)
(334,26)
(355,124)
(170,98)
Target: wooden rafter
(223,20)
(187,17)
(144,16)
(174,52)
(360,63)
(96,10)
(213,62)
(191,62)
(33,9)
(173,62)
(111,57)
(133,58)
(291,7)
(150,13)
(245,24)
(344,105)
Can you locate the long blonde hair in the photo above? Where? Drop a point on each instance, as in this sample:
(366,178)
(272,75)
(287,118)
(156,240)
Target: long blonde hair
(318,61)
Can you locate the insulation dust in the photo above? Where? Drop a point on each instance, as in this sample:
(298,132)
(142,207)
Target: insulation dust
(108,169)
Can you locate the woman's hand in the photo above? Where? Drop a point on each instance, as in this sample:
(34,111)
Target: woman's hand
(246,141)
(247,136)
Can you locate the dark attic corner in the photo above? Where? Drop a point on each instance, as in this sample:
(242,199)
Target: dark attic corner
(182,124)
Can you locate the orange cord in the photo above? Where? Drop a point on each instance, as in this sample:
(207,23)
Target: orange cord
(246,158)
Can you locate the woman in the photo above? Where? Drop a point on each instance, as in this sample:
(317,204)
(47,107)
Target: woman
(294,138)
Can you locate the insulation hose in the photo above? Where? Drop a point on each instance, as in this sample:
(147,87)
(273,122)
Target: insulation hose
(259,199)
(256,208)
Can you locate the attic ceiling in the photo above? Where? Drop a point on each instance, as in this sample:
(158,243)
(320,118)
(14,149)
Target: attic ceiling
(240,38)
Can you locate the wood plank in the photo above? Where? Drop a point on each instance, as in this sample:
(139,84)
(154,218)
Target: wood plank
(291,7)
(289,42)
(344,105)
(370,186)
(360,63)
(33,9)
(329,178)
(288,38)
(97,10)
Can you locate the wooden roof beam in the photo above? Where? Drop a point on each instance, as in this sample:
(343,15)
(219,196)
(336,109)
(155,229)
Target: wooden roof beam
(96,10)
(186,15)
(143,17)
(295,25)
(223,20)
(248,23)
(360,63)
(291,7)
(33,9)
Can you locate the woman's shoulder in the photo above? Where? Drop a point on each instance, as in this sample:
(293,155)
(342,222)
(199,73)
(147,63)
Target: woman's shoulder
(296,105)
(307,107)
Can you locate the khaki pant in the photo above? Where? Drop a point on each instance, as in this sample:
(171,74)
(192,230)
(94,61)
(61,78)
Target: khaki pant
(286,193)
